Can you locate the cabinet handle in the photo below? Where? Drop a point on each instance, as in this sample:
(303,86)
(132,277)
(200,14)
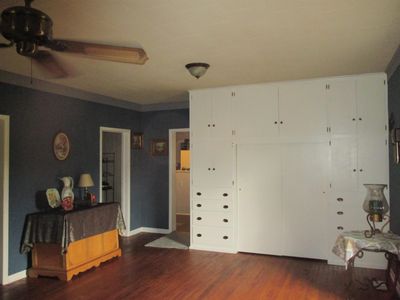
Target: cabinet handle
(339,199)
(225,220)
(225,194)
(213,169)
(354,170)
(276,122)
(209,125)
(225,237)
(199,218)
(361,170)
(340,227)
(360,119)
(340,213)
(209,169)
(213,125)
(225,206)
(198,194)
(199,234)
(354,119)
(198,205)
(281,122)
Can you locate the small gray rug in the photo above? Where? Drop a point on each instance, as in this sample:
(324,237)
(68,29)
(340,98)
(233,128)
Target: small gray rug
(174,240)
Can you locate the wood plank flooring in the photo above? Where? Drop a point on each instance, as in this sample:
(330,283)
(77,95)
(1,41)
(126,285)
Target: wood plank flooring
(152,273)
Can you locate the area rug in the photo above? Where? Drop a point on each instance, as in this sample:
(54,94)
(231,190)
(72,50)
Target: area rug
(174,240)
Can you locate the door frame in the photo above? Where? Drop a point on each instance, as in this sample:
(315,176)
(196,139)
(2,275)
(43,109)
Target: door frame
(125,172)
(171,177)
(5,203)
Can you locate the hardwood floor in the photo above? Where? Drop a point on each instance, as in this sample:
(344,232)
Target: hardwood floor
(152,273)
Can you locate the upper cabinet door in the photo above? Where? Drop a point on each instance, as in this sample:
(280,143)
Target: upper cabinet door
(371,105)
(255,113)
(303,110)
(342,110)
(221,126)
(201,113)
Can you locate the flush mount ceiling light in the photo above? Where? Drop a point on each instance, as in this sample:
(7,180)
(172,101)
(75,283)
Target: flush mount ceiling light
(197,69)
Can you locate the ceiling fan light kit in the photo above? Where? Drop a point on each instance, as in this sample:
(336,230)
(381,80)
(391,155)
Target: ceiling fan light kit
(197,69)
(30,28)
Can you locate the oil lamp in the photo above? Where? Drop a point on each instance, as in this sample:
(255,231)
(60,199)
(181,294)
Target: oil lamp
(376,206)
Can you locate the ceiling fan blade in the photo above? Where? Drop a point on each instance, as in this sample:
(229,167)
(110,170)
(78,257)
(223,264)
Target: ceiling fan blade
(100,51)
(52,66)
(2,45)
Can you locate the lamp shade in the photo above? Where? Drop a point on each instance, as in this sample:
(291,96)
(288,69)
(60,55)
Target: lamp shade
(197,69)
(85,180)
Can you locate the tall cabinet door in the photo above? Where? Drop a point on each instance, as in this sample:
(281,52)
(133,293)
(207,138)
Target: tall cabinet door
(303,110)
(221,127)
(259,199)
(201,105)
(255,113)
(371,105)
(304,196)
(342,109)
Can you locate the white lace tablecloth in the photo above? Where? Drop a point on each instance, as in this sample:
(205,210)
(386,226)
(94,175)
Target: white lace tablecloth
(349,243)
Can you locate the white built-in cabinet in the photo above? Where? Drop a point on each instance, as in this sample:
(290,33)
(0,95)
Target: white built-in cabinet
(279,168)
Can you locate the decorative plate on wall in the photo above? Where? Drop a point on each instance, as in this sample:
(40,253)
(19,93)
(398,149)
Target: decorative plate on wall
(61,146)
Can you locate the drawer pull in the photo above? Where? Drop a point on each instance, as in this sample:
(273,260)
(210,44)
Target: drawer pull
(339,199)
(209,125)
(198,205)
(199,234)
(225,220)
(340,213)
(209,169)
(225,237)
(225,194)
(340,227)
(198,194)
(226,206)
(213,169)
(213,125)
(199,218)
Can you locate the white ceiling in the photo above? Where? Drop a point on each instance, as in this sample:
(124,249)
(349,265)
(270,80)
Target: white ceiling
(244,41)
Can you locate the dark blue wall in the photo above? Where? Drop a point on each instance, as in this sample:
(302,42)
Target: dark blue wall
(35,117)
(394,113)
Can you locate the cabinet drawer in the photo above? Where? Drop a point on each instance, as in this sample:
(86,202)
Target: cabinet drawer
(212,205)
(213,236)
(212,194)
(210,218)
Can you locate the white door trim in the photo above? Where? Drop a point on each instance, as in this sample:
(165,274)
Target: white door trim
(125,170)
(171,177)
(5,208)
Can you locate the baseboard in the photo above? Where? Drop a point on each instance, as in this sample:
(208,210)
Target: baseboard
(213,249)
(149,230)
(183,214)
(14,277)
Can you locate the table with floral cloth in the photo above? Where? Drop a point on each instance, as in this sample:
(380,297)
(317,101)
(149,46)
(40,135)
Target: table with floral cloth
(352,244)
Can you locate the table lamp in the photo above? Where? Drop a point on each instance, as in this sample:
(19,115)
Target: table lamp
(376,207)
(85,181)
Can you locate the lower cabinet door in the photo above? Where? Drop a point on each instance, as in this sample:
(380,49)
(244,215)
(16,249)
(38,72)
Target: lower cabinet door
(259,199)
(213,236)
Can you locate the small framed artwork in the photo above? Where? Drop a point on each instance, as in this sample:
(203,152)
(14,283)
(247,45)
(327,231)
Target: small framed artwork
(137,140)
(61,146)
(159,147)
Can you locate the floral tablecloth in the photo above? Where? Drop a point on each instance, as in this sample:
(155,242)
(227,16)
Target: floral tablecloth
(349,243)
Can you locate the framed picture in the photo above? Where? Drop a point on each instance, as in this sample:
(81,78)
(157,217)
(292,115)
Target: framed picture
(61,146)
(137,140)
(159,147)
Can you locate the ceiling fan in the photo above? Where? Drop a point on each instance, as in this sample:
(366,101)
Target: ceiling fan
(30,30)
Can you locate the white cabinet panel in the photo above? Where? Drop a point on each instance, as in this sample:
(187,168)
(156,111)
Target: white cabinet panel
(221,126)
(304,195)
(213,163)
(342,109)
(303,110)
(259,199)
(344,172)
(200,113)
(371,105)
(255,112)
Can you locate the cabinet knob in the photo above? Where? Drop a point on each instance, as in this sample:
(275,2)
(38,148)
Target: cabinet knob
(198,205)
(361,170)
(198,194)
(225,194)
(281,122)
(225,220)
(209,169)
(225,206)
(199,234)
(276,122)
(339,199)
(213,169)
(360,119)
(354,119)
(199,218)
(340,227)
(225,237)
(213,125)
(209,125)
(340,213)
(354,170)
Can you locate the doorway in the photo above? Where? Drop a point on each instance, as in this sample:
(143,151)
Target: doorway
(4,186)
(115,162)
(179,180)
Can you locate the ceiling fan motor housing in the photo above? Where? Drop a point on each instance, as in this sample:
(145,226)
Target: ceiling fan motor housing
(27,27)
